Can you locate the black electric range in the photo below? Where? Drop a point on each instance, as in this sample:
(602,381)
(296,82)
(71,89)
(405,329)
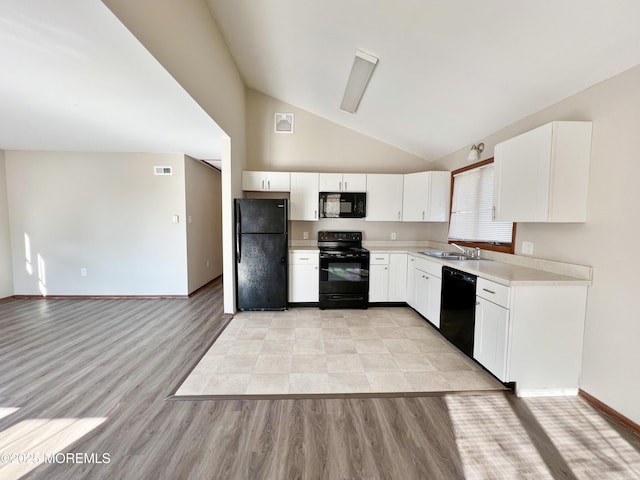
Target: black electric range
(344,270)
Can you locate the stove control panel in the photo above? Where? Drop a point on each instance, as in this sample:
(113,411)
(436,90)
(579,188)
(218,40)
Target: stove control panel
(339,236)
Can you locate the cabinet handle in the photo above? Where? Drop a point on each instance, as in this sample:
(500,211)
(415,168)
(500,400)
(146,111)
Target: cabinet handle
(346,189)
(304,258)
(315,214)
(379,258)
(489,291)
(339,186)
(268,184)
(477,303)
(399,215)
(493,212)
(262,184)
(385,268)
(423,214)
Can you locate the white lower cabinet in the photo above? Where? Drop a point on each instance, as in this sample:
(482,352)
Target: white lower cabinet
(531,335)
(387,277)
(304,276)
(424,283)
(490,337)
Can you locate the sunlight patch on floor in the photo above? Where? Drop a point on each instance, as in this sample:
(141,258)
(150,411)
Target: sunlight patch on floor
(33,442)
(5,412)
(491,440)
(588,444)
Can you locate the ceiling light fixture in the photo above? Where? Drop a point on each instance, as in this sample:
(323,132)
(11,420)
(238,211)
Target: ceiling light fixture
(474,153)
(361,71)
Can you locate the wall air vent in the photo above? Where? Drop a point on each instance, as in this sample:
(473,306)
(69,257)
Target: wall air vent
(162,171)
(283,123)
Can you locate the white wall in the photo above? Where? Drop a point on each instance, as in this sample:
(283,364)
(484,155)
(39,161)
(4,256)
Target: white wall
(317,144)
(606,241)
(183,36)
(104,212)
(6,270)
(203,189)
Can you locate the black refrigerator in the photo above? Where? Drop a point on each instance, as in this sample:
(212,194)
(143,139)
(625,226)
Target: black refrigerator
(261,253)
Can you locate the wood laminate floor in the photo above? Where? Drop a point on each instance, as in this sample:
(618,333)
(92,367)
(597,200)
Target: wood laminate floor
(89,379)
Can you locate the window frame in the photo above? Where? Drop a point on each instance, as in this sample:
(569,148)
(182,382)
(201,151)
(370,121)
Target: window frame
(503,248)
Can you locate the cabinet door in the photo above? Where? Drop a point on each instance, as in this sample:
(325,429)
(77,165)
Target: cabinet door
(434,285)
(490,337)
(265,181)
(521,183)
(421,292)
(354,182)
(304,196)
(414,198)
(439,198)
(426,197)
(303,283)
(253,181)
(398,277)
(411,281)
(384,198)
(330,182)
(277,181)
(378,283)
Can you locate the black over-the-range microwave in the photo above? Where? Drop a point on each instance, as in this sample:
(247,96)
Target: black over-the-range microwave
(343,205)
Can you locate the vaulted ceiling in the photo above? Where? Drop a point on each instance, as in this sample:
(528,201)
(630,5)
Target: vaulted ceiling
(73,78)
(449,72)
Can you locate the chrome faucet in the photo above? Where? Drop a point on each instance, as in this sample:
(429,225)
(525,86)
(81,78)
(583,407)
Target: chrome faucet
(463,250)
(468,252)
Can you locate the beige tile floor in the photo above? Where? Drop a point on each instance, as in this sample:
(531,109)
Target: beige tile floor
(312,351)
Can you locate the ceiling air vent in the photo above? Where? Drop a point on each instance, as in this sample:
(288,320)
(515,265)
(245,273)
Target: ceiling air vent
(162,171)
(283,123)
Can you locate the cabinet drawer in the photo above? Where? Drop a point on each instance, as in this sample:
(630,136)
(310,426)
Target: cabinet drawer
(379,259)
(494,292)
(304,258)
(434,268)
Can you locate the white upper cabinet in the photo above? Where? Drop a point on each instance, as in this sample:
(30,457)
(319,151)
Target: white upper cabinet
(384,197)
(343,182)
(304,196)
(542,175)
(265,181)
(426,197)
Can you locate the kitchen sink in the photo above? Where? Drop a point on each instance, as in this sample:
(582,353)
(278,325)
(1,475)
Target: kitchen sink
(443,254)
(448,255)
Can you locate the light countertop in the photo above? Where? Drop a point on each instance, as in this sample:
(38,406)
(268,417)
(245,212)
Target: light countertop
(508,274)
(500,272)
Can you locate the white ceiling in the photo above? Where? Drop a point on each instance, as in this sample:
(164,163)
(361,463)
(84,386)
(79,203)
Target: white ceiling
(73,78)
(450,72)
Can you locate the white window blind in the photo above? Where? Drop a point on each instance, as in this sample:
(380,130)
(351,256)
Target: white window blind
(472,209)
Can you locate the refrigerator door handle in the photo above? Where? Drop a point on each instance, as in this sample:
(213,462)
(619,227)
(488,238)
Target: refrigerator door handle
(238,233)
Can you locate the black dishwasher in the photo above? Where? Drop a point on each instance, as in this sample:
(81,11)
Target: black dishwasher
(458,308)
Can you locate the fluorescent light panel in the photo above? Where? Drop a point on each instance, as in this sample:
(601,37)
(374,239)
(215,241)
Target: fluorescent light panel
(361,71)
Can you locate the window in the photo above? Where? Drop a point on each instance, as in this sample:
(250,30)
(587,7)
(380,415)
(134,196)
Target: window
(471,222)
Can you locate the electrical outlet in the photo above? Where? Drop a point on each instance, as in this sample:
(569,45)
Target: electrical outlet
(527,248)
(305,235)
(393,235)
(83,272)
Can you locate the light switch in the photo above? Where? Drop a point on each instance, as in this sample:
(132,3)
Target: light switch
(176,219)
(527,248)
